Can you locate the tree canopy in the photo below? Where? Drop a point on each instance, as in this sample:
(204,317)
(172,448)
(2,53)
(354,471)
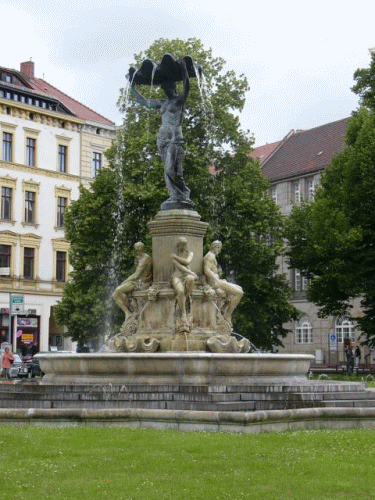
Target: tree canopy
(332,240)
(112,215)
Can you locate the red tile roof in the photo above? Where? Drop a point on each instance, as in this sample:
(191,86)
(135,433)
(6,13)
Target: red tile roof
(40,87)
(78,109)
(307,151)
(263,152)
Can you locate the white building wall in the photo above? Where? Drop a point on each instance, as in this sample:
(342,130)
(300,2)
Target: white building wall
(43,293)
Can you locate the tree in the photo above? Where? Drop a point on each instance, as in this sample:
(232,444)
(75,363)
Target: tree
(128,194)
(332,240)
(365,84)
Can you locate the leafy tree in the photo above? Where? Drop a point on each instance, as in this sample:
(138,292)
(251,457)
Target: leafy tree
(107,220)
(365,84)
(332,240)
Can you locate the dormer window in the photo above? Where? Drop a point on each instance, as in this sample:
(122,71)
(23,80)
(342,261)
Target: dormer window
(8,78)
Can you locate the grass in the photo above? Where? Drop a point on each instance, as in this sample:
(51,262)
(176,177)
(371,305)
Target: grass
(344,377)
(42,463)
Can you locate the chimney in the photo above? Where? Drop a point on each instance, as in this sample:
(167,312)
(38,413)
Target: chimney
(27,69)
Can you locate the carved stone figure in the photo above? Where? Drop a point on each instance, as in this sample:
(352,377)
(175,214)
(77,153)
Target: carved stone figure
(139,280)
(229,291)
(183,278)
(170,139)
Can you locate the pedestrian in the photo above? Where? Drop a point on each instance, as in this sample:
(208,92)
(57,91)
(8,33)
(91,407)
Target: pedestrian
(357,356)
(349,358)
(7,362)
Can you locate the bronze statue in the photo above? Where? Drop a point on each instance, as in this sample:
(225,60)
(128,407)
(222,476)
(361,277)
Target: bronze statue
(169,139)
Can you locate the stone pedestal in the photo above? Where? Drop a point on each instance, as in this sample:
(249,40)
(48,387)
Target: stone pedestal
(156,323)
(165,230)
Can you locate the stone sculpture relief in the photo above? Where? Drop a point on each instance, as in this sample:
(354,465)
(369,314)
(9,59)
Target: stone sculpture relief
(183,280)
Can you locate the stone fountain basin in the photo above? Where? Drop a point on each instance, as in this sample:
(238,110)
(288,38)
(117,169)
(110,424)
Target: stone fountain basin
(173,368)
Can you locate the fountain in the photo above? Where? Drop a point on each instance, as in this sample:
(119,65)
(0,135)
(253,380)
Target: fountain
(178,311)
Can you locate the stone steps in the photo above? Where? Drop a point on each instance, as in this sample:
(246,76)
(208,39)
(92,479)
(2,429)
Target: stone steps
(249,397)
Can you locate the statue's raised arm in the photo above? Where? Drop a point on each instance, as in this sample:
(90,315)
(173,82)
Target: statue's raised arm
(148,103)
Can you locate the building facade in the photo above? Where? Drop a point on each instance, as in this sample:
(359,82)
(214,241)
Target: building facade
(294,168)
(49,145)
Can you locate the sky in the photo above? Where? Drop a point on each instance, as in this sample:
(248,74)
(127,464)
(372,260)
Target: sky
(299,57)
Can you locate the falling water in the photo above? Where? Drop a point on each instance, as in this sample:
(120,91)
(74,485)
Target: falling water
(118,217)
(118,214)
(208,111)
(208,119)
(148,109)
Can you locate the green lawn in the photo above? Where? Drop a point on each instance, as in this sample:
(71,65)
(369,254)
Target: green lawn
(43,463)
(343,377)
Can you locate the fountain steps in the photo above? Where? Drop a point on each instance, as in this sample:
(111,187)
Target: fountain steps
(187,397)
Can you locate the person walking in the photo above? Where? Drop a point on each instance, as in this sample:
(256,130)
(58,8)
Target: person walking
(349,358)
(357,357)
(7,361)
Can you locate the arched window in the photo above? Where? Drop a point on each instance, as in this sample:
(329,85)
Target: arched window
(344,329)
(304,334)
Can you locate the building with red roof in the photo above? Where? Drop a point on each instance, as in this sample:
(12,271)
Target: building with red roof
(294,168)
(261,153)
(49,145)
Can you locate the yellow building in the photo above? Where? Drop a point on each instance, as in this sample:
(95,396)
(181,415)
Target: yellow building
(49,145)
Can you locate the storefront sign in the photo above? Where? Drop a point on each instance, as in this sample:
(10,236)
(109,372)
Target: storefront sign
(30,322)
(27,337)
(16,304)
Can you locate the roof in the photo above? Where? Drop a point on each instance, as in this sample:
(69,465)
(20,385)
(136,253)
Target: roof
(78,109)
(305,151)
(263,152)
(40,87)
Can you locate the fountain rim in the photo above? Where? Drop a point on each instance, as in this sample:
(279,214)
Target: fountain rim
(178,355)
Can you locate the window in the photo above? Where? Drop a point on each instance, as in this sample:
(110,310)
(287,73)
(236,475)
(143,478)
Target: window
(63,157)
(28,262)
(30,207)
(273,194)
(310,188)
(61,207)
(96,163)
(7,146)
(296,192)
(5,253)
(30,247)
(304,334)
(60,266)
(344,329)
(30,192)
(6,203)
(8,78)
(30,151)
(60,261)
(300,282)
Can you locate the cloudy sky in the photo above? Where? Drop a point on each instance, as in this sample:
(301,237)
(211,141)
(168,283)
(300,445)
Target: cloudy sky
(299,57)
